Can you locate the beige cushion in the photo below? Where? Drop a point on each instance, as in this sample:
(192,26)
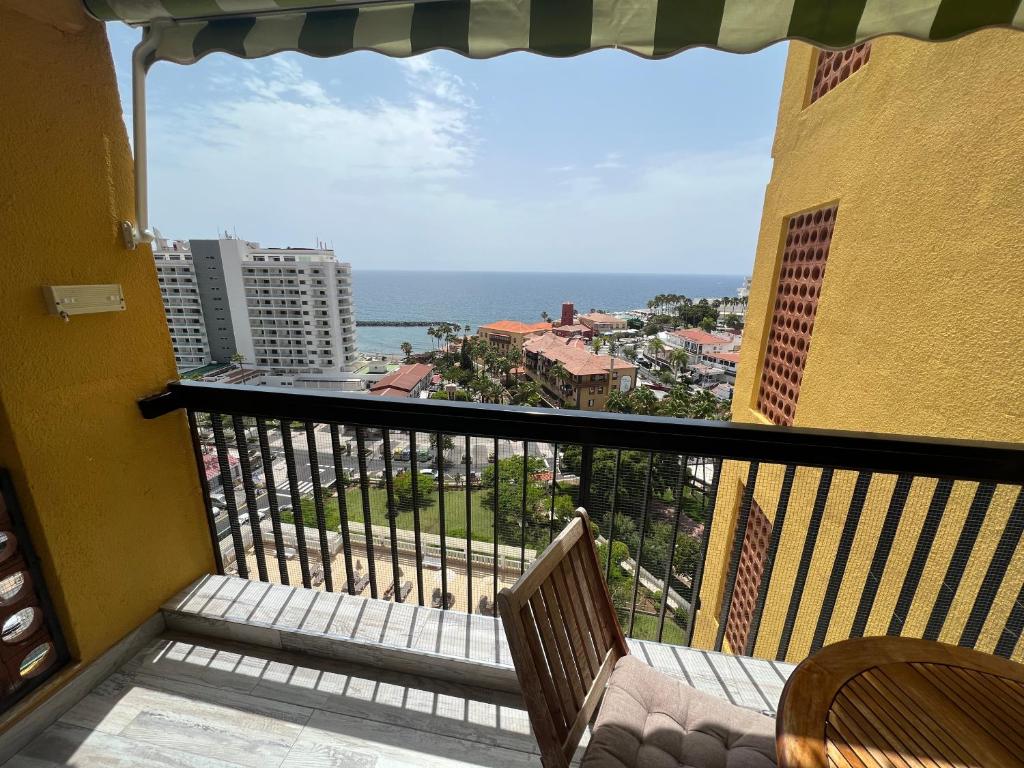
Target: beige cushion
(648,719)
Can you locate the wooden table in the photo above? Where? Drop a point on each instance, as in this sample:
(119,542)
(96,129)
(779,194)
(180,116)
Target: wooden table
(890,701)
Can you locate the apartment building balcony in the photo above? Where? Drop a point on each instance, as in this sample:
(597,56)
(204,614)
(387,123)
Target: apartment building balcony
(143,622)
(365,632)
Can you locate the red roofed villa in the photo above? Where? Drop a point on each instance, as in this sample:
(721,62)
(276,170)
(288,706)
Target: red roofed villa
(407,381)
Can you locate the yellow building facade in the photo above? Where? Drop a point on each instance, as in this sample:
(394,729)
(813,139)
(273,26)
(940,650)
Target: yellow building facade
(918,327)
(111,501)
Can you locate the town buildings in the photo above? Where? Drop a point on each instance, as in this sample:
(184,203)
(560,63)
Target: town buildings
(885,184)
(600,322)
(696,342)
(589,377)
(286,312)
(726,361)
(510,334)
(183,309)
(407,381)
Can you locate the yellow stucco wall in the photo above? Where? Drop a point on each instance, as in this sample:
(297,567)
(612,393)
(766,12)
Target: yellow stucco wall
(112,501)
(920,325)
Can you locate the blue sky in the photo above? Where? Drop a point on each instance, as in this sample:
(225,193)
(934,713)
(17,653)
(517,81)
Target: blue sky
(604,162)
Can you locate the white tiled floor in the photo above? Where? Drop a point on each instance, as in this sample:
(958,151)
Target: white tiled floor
(212,704)
(266,677)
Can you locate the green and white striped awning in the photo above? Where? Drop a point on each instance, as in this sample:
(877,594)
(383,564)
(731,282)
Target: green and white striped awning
(187,30)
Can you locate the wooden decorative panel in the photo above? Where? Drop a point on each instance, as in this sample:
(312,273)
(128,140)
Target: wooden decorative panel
(835,66)
(804,257)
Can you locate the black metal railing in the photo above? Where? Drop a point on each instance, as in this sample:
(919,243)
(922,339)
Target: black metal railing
(792,537)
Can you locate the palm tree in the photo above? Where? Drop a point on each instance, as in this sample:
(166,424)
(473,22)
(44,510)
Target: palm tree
(406,350)
(597,343)
(545,316)
(559,373)
(657,346)
(677,359)
(526,393)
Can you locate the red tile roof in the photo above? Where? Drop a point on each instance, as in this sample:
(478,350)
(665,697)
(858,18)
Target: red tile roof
(601,317)
(514,326)
(405,378)
(698,336)
(390,392)
(730,357)
(575,355)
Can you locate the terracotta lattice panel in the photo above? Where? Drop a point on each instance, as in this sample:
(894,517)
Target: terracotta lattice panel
(808,237)
(29,650)
(835,66)
(748,578)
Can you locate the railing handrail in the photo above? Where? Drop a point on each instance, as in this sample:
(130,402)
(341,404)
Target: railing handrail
(932,457)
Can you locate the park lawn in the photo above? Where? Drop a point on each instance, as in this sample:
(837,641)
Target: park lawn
(646,628)
(454,507)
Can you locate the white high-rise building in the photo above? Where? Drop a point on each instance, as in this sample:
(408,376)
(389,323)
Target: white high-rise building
(284,311)
(176,275)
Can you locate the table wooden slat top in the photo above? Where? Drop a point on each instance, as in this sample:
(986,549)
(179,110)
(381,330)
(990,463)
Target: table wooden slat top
(902,703)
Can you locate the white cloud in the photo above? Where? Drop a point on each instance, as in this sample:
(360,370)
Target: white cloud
(282,157)
(282,154)
(429,78)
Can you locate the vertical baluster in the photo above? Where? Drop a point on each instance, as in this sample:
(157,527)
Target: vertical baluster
(737,549)
(229,493)
(197,452)
(522,540)
(1001,561)
(586,474)
(643,534)
(414,467)
(611,516)
(883,547)
(708,513)
(554,488)
(298,519)
(835,580)
(364,490)
(672,548)
(242,444)
(925,542)
(441,519)
(958,563)
(804,566)
(275,512)
(318,503)
(497,507)
(769,558)
(346,534)
(389,484)
(469,530)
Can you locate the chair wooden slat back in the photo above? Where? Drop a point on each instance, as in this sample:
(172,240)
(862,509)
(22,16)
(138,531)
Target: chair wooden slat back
(564,638)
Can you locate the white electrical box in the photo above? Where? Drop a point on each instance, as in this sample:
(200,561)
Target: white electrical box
(67,300)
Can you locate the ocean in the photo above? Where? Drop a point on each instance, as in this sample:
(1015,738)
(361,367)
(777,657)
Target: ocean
(476,298)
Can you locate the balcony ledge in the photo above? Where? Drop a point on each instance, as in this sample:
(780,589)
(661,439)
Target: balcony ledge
(412,639)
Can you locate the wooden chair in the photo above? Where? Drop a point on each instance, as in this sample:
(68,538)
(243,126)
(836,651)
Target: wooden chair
(569,653)
(565,639)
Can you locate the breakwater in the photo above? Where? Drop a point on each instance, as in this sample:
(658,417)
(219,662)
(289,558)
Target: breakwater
(397,323)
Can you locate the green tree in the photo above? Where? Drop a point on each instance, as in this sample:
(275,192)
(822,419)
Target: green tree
(677,359)
(657,347)
(707,324)
(465,357)
(733,321)
(526,392)
(425,487)
(508,507)
(406,348)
